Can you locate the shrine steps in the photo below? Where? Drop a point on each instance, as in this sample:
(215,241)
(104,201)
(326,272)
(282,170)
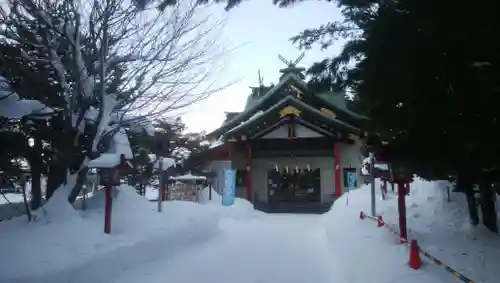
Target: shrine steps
(294,207)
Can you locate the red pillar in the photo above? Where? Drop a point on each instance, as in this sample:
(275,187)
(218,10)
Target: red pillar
(164,192)
(249,172)
(336,168)
(107,209)
(402,211)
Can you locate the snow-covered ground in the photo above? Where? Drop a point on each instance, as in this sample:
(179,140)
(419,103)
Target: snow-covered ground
(442,229)
(11,197)
(206,242)
(275,248)
(12,204)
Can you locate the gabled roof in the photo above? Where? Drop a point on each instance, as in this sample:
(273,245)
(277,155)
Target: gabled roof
(292,101)
(256,107)
(255,103)
(230,116)
(297,120)
(337,102)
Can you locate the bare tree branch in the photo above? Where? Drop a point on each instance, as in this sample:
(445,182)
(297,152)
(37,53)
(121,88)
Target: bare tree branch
(118,65)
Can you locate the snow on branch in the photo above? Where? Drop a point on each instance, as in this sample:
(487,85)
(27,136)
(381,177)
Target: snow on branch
(118,67)
(12,107)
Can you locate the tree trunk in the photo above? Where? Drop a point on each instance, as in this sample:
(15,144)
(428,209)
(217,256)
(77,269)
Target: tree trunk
(80,180)
(465,185)
(55,177)
(488,207)
(35,162)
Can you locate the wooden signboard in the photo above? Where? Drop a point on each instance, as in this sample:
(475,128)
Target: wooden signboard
(109,177)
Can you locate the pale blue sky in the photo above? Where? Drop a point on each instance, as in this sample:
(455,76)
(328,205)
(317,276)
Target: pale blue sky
(262,31)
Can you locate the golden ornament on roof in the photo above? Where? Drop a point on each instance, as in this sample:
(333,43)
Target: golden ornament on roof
(289,110)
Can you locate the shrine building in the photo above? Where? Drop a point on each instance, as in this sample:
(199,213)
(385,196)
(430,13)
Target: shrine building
(292,148)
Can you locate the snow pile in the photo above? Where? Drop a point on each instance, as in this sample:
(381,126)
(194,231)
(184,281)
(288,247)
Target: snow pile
(241,208)
(5,198)
(441,227)
(205,196)
(55,249)
(151,193)
(33,249)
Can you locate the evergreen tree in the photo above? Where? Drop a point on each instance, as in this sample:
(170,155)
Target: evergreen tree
(425,77)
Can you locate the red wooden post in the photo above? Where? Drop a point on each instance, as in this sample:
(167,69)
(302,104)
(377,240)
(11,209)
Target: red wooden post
(164,191)
(336,168)
(249,172)
(402,211)
(107,209)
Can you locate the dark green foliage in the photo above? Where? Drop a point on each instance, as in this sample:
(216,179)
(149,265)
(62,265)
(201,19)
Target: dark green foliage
(425,74)
(169,140)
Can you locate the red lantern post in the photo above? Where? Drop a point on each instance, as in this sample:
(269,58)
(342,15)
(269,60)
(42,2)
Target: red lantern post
(107,209)
(402,177)
(402,211)
(109,176)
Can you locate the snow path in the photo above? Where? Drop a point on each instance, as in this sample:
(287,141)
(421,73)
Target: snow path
(108,265)
(272,248)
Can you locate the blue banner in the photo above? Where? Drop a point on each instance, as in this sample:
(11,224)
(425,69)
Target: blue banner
(229,188)
(351,180)
(351,184)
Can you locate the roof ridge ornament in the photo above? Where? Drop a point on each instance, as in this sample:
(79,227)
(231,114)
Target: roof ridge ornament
(291,66)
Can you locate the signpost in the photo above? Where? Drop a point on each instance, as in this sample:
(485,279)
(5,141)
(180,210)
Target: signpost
(109,176)
(401,176)
(165,167)
(229,189)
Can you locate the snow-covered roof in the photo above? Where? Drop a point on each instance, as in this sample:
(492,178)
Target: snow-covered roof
(290,100)
(381,166)
(242,116)
(188,177)
(217,143)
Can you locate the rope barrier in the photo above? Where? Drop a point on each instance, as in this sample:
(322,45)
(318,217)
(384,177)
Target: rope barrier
(12,206)
(446,267)
(381,222)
